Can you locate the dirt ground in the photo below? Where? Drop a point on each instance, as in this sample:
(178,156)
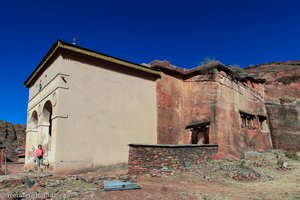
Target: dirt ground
(268,175)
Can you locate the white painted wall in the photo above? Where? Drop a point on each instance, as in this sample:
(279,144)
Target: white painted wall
(97,114)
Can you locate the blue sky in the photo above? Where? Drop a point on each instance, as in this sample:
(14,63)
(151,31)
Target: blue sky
(183,32)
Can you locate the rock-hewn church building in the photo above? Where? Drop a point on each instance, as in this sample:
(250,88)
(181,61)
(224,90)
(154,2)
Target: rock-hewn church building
(85,108)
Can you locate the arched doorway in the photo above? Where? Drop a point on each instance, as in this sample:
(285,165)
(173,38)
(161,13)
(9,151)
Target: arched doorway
(47,126)
(47,116)
(31,136)
(33,121)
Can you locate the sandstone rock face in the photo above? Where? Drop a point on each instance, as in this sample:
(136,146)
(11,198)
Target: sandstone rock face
(12,136)
(285,126)
(234,99)
(169,110)
(185,101)
(282,99)
(282,79)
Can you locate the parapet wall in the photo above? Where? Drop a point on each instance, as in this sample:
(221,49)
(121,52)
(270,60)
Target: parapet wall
(14,167)
(151,158)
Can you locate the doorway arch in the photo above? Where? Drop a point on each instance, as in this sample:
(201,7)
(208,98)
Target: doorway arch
(47,116)
(33,121)
(47,127)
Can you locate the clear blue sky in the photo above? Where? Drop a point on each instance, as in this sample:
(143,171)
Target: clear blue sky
(183,32)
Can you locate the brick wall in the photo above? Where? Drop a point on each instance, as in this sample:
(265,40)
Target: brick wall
(14,168)
(152,158)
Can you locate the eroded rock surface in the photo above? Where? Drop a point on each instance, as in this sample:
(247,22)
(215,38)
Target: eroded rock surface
(282,100)
(12,136)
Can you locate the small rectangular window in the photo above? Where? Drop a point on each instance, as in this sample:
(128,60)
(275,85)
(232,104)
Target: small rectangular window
(263,123)
(199,133)
(247,120)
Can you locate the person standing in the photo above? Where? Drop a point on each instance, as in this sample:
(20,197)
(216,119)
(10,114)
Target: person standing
(39,157)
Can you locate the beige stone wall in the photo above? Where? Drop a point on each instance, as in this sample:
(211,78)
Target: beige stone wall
(37,131)
(98,110)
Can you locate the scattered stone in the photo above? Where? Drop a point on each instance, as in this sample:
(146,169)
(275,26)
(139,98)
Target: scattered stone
(245,164)
(124,177)
(97,182)
(55,183)
(246,175)
(74,178)
(279,154)
(187,165)
(262,163)
(148,175)
(92,195)
(37,188)
(102,178)
(89,179)
(56,190)
(133,177)
(215,171)
(252,155)
(74,194)
(297,196)
(164,169)
(93,189)
(30,182)
(283,165)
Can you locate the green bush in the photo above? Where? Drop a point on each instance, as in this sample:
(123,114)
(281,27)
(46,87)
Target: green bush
(207,61)
(292,155)
(289,79)
(245,165)
(286,99)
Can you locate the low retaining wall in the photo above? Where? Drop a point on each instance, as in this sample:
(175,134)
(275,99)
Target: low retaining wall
(14,167)
(150,158)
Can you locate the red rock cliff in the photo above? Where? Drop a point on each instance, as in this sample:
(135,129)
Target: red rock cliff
(282,100)
(210,100)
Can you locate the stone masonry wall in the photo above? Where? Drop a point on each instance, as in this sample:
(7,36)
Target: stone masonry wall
(152,158)
(14,168)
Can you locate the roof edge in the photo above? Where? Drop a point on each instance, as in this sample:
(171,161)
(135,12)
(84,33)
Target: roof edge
(46,58)
(59,44)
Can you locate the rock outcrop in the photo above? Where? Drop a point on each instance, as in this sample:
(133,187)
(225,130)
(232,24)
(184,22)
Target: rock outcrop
(239,109)
(282,100)
(12,137)
(211,104)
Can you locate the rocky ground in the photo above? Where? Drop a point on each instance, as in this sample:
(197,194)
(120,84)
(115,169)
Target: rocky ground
(269,175)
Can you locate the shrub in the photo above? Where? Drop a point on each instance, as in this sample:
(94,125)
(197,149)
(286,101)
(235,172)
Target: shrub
(207,61)
(292,155)
(288,79)
(286,99)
